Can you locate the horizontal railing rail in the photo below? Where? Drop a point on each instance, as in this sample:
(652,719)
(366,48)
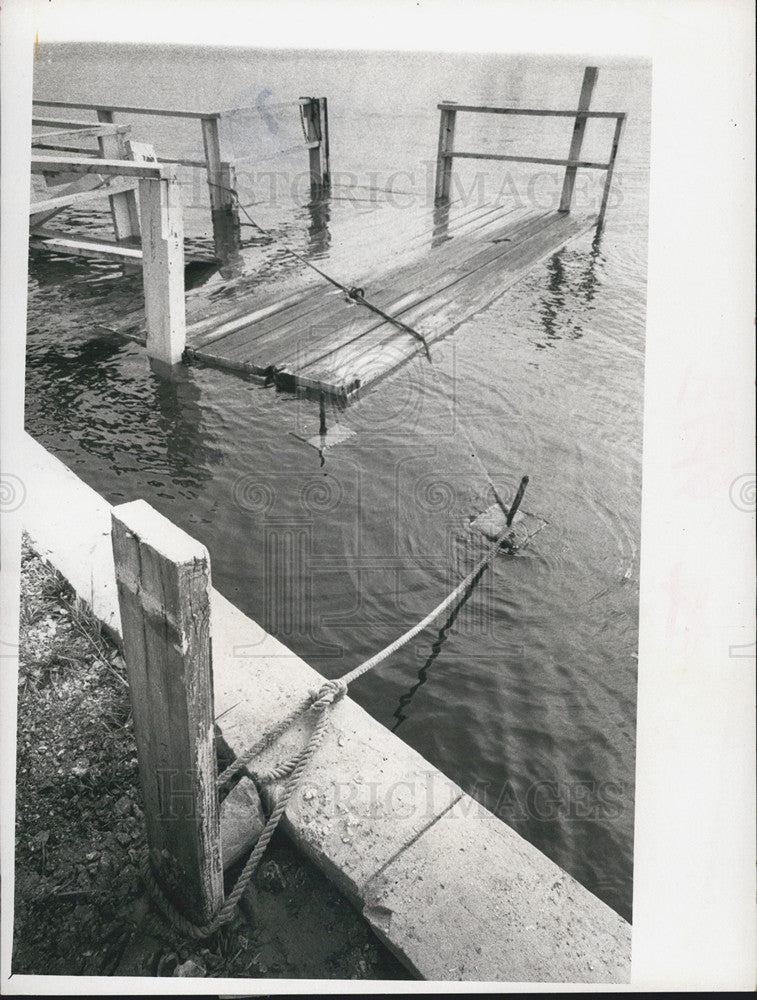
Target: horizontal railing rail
(128,109)
(539,112)
(113,168)
(585,164)
(447,152)
(313,113)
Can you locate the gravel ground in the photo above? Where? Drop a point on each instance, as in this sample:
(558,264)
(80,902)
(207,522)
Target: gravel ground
(80,906)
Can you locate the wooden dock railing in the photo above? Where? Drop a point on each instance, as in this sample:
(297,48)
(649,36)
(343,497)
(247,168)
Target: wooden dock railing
(314,114)
(162,227)
(573,163)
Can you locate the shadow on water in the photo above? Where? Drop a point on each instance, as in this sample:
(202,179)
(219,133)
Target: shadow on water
(168,403)
(436,649)
(179,409)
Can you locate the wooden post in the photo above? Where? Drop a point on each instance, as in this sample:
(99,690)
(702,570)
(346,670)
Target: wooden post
(226,228)
(223,206)
(163,265)
(584,100)
(123,207)
(323,121)
(619,122)
(163,578)
(315,120)
(443,160)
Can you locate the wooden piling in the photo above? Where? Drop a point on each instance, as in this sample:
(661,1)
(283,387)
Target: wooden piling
(163,578)
(223,206)
(226,228)
(576,142)
(163,265)
(447,122)
(323,110)
(123,207)
(315,121)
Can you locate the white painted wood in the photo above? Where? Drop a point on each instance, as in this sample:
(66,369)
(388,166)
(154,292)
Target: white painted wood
(77,165)
(123,207)
(106,190)
(162,227)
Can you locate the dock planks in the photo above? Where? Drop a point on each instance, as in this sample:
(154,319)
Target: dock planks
(444,270)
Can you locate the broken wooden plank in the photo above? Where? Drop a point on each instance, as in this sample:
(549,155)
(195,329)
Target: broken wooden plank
(105,190)
(84,247)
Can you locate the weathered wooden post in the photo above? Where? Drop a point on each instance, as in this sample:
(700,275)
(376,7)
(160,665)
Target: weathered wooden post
(223,208)
(163,578)
(576,142)
(619,123)
(226,227)
(123,207)
(163,264)
(323,120)
(447,122)
(315,123)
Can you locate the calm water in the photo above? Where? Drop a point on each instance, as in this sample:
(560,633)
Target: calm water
(527,696)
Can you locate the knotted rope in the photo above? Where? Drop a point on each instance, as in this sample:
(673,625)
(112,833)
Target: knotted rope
(292,769)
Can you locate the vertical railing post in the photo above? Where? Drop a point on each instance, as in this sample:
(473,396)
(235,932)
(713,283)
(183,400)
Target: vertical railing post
(226,227)
(222,202)
(576,142)
(443,158)
(123,207)
(323,120)
(619,122)
(163,265)
(315,121)
(163,579)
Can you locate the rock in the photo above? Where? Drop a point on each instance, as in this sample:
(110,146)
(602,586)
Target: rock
(242,821)
(123,806)
(190,968)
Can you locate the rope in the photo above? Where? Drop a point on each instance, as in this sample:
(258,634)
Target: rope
(357,294)
(353,293)
(331,691)
(293,768)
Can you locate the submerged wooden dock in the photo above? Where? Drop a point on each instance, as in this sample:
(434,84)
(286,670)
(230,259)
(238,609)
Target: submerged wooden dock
(321,339)
(442,263)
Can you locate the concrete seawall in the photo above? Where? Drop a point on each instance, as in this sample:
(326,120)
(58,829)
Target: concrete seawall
(450,888)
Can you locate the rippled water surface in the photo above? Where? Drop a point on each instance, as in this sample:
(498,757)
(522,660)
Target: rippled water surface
(526,696)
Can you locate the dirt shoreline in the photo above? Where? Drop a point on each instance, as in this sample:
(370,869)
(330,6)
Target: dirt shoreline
(80,907)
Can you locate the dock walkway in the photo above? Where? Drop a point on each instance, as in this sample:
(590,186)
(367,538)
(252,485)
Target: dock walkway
(311,336)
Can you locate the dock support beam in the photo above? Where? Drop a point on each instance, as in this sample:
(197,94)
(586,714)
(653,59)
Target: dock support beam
(576,142)
(163,578)
(443,159)
(163,265)
(315,124)
(123,207)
